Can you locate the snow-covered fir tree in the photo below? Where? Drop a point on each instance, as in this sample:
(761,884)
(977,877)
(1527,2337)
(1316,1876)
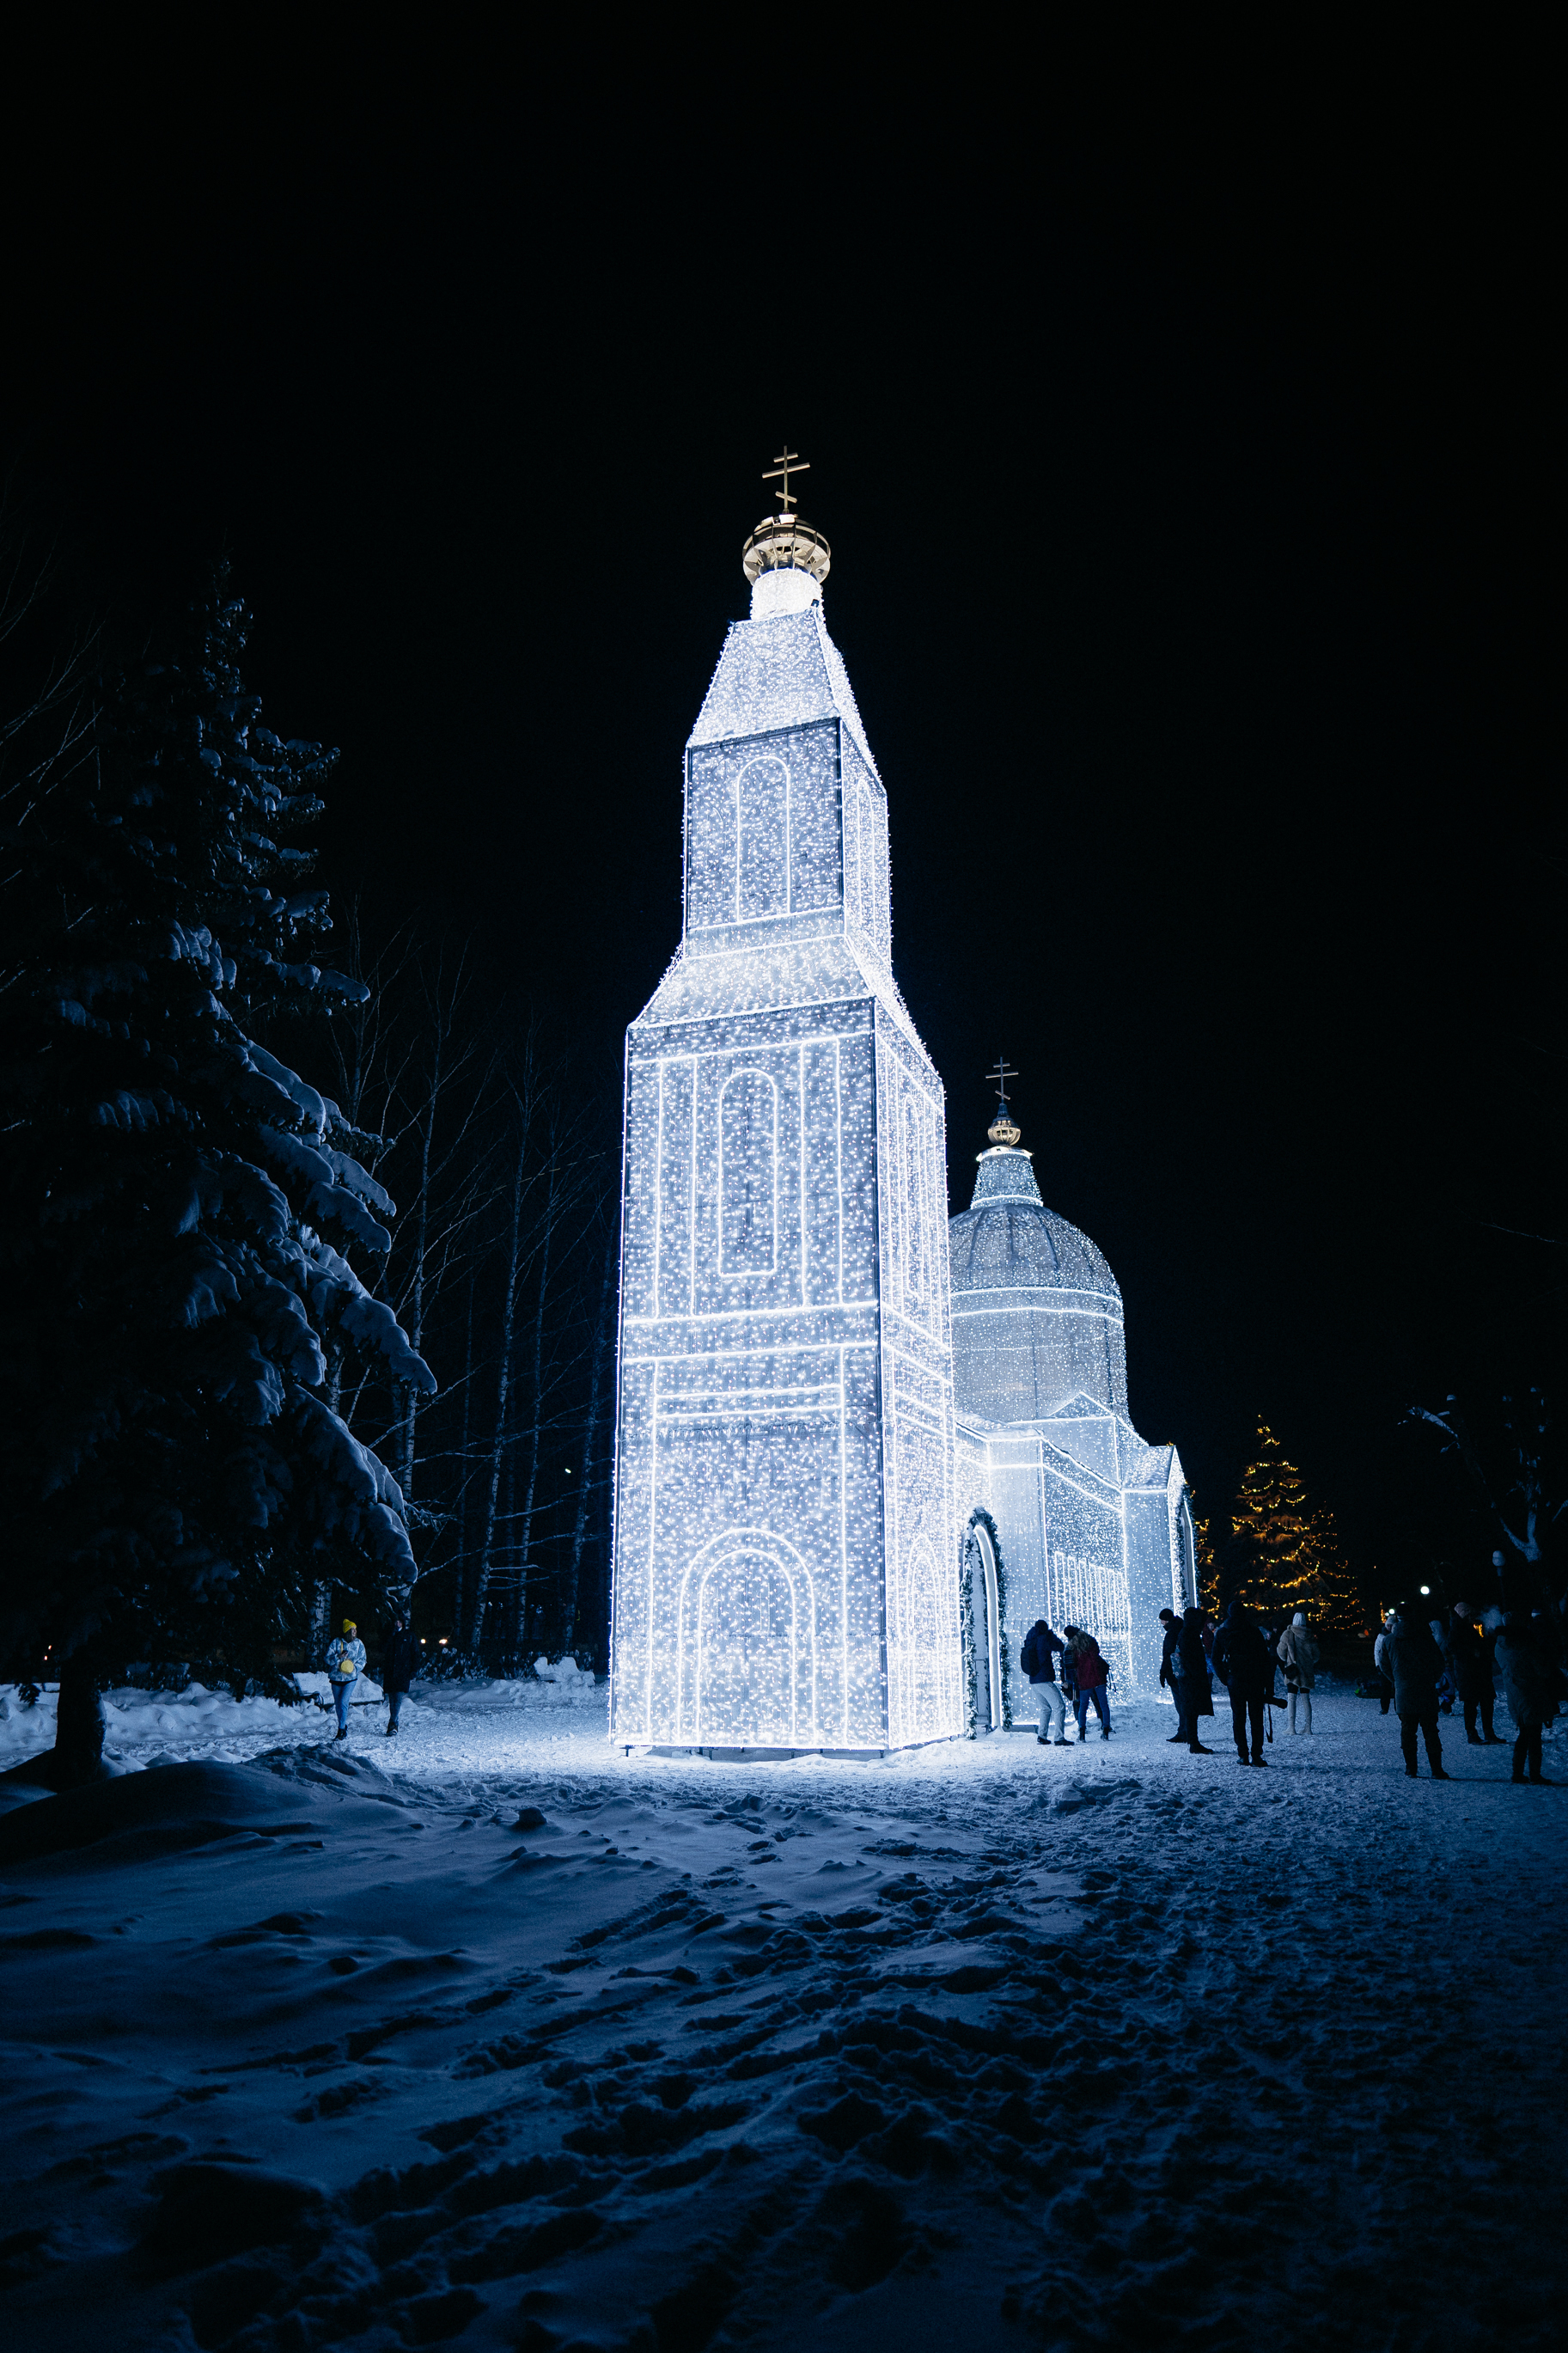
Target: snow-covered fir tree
(184,1211)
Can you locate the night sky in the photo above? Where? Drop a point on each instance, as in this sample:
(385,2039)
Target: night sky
(1186,516)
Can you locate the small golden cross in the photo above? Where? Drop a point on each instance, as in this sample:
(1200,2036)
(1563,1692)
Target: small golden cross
(783,463)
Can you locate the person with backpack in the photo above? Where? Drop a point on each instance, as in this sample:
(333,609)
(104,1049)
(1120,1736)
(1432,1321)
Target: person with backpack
(1299,1655)
(1091,1677)
(399,1668)
(345,1664)
(1244,1665)
(1037,1662)
(1412,1659)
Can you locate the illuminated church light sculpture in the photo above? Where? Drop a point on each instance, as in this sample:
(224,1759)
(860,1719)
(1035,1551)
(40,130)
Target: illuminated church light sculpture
(784,1510)
(1068,1513)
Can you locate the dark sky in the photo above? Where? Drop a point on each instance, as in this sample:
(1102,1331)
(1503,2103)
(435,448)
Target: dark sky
(1186,503)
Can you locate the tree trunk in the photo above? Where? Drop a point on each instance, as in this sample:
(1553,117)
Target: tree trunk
(503,1385)
(76,1760)
(601,1357)
(525,1548)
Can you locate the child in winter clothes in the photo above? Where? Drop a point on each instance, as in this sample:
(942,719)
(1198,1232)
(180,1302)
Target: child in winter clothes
(1090,1678)
(1298,1654)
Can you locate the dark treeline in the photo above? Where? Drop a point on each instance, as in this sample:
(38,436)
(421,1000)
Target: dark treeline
(503,1270)
(308,1262)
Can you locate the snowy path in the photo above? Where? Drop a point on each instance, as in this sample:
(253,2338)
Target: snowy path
(989,2042)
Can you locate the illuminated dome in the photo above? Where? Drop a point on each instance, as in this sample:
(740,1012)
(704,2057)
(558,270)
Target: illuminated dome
(1036,1312)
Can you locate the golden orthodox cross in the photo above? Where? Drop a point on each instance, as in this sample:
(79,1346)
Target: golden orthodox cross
(781,466)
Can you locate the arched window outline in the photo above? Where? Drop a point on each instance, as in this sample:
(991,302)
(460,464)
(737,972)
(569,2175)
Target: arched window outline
(755,1264)
(720,1557)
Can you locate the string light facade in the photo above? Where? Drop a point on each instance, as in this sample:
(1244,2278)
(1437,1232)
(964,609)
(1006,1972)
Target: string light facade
(784,1505)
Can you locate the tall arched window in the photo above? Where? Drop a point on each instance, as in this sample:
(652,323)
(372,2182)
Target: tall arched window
(748,1174)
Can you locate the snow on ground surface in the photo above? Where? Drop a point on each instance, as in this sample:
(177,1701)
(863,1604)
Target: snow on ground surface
(309,2044)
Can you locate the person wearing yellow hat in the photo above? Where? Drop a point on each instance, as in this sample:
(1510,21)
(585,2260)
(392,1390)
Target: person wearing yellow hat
(345,1664)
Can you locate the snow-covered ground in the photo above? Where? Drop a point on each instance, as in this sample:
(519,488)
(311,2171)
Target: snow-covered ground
(310,2044)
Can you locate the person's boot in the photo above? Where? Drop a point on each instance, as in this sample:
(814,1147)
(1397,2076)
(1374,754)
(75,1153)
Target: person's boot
(1105,1732)
(1439,1773)
(1538,1781)
(1064,1744)
(1475,1740)
(1199,1750)
(1519,1776)
(1495,1740)
(1410,1773)
(342,1732)
(1176,1738)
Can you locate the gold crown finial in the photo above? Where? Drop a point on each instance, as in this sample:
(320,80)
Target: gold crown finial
(781,465)
(1002,1128)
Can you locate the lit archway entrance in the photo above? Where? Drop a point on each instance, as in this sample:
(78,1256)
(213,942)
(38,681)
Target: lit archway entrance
(980,1571)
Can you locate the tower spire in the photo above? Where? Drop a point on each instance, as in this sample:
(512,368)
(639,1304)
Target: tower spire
(1004,1129)
(785,561)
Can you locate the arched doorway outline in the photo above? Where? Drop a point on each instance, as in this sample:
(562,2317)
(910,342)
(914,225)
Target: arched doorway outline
(1186,1562)
(980,1532)
(736,1543)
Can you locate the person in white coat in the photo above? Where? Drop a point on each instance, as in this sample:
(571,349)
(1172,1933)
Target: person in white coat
(1299,1655)
(345,1664)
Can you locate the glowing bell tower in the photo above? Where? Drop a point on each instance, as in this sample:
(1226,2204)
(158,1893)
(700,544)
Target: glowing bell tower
(784,1426)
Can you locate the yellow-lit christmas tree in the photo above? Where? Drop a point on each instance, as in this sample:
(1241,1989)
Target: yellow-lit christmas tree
(1293,1558)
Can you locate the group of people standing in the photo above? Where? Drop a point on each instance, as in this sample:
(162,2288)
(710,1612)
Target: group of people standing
(1245,1655)
(1414,1654)
(1085,1681)
(1417,1657)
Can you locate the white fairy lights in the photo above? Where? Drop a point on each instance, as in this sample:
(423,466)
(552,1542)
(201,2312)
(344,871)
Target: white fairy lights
(1095,1524)
(797,1500)
(785,1441)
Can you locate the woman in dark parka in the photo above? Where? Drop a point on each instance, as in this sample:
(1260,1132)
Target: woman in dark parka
(1194,1694)
(399,1668)
(1527,1685)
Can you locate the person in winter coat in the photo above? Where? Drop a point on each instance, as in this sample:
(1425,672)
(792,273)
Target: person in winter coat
(1035,1658)
(1299,1655)
(345,1664)
(1527,1682)
(400,1667)
(1412,1659)
(1379,1663)
(1089,1677)
(1244,1663)
(1171,1666)
(1194,1696)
